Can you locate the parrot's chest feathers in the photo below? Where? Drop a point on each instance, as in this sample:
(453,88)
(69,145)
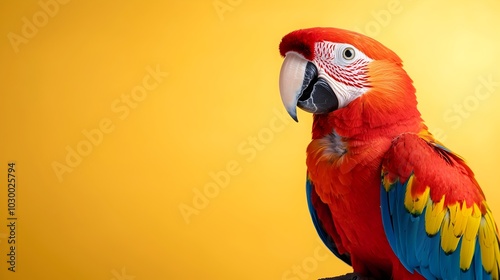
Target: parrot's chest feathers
(345,158)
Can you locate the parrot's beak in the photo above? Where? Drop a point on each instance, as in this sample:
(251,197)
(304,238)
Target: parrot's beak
(301,87)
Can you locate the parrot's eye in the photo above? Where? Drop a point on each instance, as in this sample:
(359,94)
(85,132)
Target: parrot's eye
(348,53)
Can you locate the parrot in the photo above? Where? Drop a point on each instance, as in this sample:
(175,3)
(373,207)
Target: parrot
(385,196)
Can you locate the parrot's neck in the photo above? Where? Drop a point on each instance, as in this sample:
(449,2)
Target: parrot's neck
(387,109)
(361,122)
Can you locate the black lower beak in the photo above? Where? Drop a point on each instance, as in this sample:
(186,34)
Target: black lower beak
(316,95)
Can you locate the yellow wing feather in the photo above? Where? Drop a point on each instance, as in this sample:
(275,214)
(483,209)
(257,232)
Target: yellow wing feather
(469,236)
(449,241)
(488,240)
(434,216)
(415,204)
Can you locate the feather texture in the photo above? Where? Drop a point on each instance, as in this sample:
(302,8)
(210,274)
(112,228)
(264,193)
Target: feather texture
(439,233)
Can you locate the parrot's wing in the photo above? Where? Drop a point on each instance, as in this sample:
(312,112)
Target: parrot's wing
(434,213)
(323,222)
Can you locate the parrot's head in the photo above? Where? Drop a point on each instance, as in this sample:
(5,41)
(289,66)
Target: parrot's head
(327,70)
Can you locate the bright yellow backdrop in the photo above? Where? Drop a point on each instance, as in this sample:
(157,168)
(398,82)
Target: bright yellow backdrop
(210,139)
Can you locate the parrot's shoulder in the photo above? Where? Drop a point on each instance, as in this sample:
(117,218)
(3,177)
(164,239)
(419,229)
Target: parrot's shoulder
(433,165)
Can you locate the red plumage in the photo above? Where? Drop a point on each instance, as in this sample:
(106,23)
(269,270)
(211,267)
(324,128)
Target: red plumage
(350,145)
(447,172)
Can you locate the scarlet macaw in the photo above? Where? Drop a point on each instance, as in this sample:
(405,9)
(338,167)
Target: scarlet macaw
(384,195)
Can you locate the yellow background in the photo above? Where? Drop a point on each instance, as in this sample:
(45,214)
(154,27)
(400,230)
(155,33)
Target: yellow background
(116,215)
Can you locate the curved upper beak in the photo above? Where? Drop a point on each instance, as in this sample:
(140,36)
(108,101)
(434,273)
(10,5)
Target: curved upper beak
(301,87)
(291,80)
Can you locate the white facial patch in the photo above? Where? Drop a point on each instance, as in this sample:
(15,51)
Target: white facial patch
(344,68)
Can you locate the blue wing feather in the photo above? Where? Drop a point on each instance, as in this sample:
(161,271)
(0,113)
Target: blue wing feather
(478,264)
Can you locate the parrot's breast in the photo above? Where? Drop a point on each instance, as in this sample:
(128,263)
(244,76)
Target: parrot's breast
(346,176)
